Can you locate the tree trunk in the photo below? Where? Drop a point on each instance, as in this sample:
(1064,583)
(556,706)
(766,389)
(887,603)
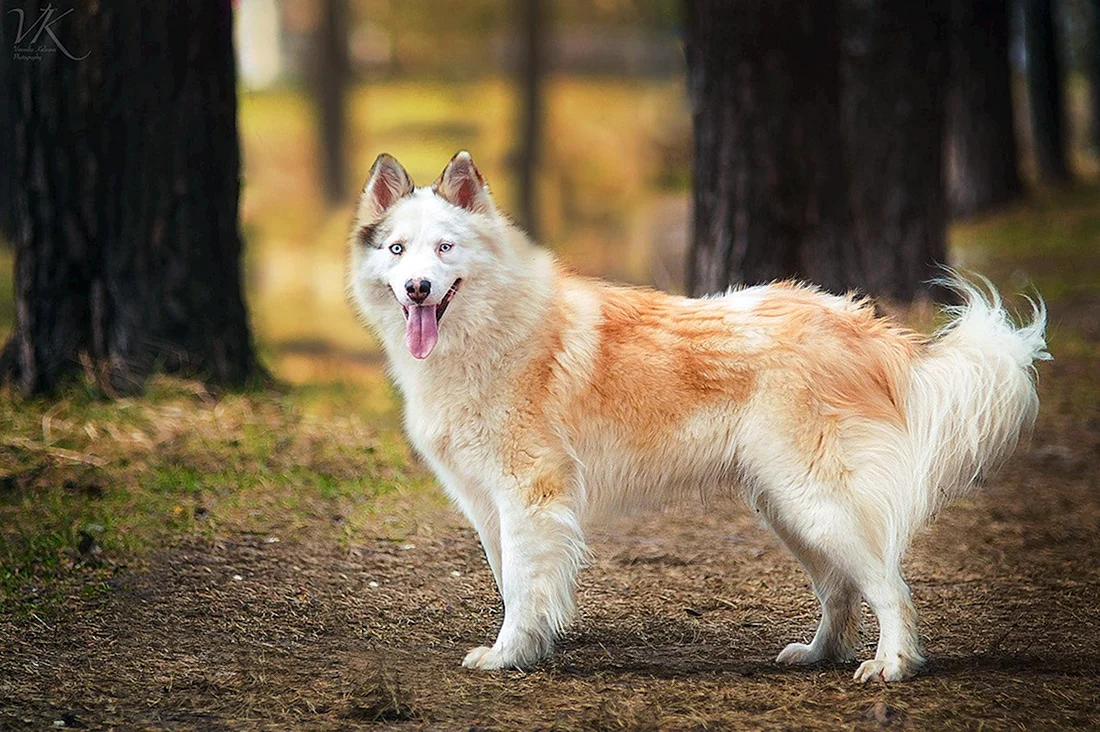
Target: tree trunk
(532,54)
(331,71)
(127,168)
(769,180)
(982,159)
(7,123)
(1044,83)
(894,70)
(1093,63)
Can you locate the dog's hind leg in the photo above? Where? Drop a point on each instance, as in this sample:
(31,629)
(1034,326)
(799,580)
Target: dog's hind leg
(838,632)
(542,549)
(898,655)
(847,553)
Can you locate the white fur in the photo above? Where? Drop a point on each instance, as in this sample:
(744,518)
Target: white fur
(971,393)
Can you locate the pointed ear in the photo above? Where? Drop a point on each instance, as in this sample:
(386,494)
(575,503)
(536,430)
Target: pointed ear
(388,183)
(461,183)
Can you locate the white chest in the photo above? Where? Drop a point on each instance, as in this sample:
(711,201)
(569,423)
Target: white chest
(463,434)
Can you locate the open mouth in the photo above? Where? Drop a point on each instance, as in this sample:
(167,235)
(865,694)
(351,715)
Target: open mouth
(441,307)
(422,323)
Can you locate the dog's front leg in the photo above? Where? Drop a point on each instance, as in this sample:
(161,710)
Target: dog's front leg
(542,549)
(482,514)
(488,530)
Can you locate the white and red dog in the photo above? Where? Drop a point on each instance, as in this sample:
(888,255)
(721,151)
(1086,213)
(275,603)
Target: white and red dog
(541,398)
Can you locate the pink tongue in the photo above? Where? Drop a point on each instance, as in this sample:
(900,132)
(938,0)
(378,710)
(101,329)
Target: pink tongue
(421,331)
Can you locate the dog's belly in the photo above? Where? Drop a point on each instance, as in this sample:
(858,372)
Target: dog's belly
(700,457)
(473,449)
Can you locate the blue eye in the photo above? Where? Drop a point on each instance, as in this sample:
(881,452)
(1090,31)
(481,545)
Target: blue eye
(397,247)
(445,246)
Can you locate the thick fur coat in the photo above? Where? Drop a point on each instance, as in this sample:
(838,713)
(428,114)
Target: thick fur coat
(543,400)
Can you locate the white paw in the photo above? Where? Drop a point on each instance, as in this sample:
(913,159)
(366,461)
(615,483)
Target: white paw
(507,655)
(799,654)
(894,669)
(484,658)
(491,659)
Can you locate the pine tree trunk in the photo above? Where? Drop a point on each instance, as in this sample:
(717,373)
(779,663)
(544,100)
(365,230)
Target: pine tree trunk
(7,123)
(982,158)
(1044,82)
(770,185)
(126,199)
(532,53)
(330,82)
(894,71)
(1093,69)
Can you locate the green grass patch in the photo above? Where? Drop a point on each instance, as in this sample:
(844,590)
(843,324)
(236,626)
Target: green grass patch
(1050,242)
(88,486)
(7,294)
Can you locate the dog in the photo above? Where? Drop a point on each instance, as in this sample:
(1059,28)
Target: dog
(542,399)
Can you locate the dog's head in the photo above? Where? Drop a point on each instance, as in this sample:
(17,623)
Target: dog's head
(419,254)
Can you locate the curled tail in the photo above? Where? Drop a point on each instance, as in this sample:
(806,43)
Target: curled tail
(973,393)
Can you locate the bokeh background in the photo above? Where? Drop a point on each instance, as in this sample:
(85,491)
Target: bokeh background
(275,555)
(425,80)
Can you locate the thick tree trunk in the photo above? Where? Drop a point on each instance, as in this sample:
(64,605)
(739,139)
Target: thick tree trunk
(982,159)
(894,71)
(125,204)
(331,71)
(1044,83)
(532,54)
(770,185)
(1093,62)
(7,123)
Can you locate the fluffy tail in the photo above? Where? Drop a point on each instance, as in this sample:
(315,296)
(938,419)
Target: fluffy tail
(973,393)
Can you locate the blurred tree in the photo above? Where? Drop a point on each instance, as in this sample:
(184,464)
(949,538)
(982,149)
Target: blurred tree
(893,101)
(1093,71)
(770,185)
(1044,82)
(7,183)
(982,160)
(123,136)
(7,161)
(330,71)
(532,53)
(8,27)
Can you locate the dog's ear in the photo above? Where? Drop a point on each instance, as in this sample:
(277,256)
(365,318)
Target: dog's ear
(461,183)
(388,183)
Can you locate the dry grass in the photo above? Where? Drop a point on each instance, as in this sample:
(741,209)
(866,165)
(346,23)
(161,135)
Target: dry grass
(86,484)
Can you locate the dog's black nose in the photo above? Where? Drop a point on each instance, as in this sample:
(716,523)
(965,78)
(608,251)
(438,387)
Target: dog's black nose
(418,290)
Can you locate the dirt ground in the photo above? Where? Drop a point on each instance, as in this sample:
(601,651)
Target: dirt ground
(680,618)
